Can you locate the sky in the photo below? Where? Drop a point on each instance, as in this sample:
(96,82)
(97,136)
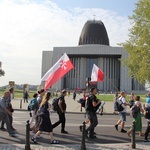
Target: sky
(28,27)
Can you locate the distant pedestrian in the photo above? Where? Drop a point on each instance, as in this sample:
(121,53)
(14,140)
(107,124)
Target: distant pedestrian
(40,96)
(131,101)
(148,98)
(138,118)
(25,96)
(91,108)
(74,95)
(69,93)
(122,113)
(61,112)
(45,125)
(116,96)
(5,113)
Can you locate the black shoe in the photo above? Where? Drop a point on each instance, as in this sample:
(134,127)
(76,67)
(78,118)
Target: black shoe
(92,137)
(65,132)
(3,129)
(12,134)
(34,140)
(116,126)
(54,142)
(123,131)
(146,140)
(80,128)
(94,133)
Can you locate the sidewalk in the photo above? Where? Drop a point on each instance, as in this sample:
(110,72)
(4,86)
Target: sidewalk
(124,146)
(72,106)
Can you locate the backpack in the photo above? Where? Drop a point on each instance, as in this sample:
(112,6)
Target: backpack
(147,113)
(134,111)
(119,105)
(55,104)
(82,102)
(31,105)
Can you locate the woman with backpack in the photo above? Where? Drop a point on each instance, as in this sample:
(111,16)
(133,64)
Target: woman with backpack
(137,110)
(45,124)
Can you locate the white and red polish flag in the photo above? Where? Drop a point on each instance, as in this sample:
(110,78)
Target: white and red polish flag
(60,68)
(97,75)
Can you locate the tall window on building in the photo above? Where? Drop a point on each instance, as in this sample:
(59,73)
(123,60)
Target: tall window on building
(89,65)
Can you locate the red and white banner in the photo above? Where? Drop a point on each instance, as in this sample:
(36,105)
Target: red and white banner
(61,67)
(97,75)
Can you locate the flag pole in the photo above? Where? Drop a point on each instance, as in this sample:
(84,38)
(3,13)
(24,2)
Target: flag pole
(112,83)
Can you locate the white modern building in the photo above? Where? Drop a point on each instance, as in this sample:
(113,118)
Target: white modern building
(93,48)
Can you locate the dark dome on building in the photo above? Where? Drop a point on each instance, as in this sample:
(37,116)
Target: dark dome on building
(94,32)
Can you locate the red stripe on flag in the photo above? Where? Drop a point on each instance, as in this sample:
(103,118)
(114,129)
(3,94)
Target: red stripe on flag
(59,73)
(100,76)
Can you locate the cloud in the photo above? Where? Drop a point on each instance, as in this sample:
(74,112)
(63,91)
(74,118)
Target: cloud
(29,27)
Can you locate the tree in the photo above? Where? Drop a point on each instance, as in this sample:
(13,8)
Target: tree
(138,45)
(2,73)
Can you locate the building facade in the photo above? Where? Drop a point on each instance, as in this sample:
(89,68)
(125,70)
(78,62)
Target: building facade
(93,48)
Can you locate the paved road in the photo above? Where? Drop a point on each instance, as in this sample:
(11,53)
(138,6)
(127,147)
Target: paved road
(105,130)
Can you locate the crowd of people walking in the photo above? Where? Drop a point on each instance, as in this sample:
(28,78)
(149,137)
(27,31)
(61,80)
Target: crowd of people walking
(40,113)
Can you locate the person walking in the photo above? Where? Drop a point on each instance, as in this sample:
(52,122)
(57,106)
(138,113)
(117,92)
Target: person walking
(131,100)
(122,113)
(40,96)
(147,116)
(115,99)
(138,118)
(25,96)
(91,108)
(61,112)
(10,108)
(74,95)
(5,113)
(45,124)
(33,106)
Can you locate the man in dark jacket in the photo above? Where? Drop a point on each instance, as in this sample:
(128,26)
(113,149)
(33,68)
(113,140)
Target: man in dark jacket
(91,107)
(61,112)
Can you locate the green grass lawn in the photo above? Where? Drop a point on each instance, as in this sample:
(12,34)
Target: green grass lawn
(17,93)
(110,97)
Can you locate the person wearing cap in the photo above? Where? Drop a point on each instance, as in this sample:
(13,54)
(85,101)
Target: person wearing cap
(122,113)
(61,112)
(10,108)
(5,113)
(91,108)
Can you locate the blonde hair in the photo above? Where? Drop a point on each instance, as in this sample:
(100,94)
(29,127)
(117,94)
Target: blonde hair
(45,98)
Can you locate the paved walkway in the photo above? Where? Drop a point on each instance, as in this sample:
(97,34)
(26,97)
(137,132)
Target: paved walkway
(124,146)
(72,106)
